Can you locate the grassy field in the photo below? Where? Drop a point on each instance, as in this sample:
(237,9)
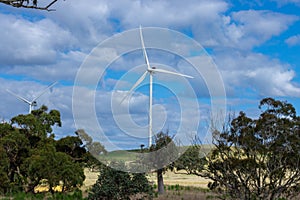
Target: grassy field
(182,186)
(170,178)
(132,155)
(178,186)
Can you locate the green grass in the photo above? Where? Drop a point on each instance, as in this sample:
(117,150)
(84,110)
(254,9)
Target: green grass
(77,194)
(119,155)
(131,155)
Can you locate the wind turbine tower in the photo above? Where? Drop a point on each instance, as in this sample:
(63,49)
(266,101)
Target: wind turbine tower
(151,71)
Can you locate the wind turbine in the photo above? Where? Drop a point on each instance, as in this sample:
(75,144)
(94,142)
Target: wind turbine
(151,71)
(31,103)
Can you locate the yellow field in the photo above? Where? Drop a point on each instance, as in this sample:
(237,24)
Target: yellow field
(170,178)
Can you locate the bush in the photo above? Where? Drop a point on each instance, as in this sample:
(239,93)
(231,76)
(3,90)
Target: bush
(113,184)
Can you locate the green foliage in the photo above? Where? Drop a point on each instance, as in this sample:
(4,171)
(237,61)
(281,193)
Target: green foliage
(38,123)
(4,167)
(113,184)
(192,160)
(55,167)
(76,195)
(29,154)
(258,158)
(72,145)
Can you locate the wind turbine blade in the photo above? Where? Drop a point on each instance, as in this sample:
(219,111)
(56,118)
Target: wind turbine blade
(19,97)
(45,90)
(135,85)
(169,72)
(144,49)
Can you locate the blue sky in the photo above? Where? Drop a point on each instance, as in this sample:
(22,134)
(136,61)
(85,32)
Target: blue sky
(254,44)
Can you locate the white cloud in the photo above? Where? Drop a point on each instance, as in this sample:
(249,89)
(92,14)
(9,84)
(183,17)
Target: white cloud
(250,28)
(293,41)
(165,13)
(64,68)
(265,76)
(87,21)
(31,43)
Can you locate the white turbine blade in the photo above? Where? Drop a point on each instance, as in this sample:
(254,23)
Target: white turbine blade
(144,49)
(135,85)
(169,72)
(19,97)
(45,90)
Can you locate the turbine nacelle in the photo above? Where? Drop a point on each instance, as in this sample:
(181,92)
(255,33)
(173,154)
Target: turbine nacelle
(34,103)
(151,69)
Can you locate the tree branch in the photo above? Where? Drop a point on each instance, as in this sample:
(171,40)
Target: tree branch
(26,4)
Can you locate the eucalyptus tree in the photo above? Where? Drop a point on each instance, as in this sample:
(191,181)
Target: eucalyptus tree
(257,158)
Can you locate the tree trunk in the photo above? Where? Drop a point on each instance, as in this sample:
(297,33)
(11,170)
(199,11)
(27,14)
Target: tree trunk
(160,181)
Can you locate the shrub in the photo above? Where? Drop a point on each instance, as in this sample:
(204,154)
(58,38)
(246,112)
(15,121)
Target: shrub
(113,184)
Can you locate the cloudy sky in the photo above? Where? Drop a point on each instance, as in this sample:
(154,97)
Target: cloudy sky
(254,47)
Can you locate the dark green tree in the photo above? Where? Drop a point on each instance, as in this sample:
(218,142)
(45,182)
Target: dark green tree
(29,153)
(191,161)
(4,169)
(38,123)
(120,185)
(56,167)
(257,158)
(73,146)
(15,148)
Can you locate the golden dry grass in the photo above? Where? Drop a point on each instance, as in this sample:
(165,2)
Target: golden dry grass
(90,179)
(171,178)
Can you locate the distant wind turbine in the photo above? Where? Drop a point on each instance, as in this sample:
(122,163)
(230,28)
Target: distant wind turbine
(151,71)
(33,102)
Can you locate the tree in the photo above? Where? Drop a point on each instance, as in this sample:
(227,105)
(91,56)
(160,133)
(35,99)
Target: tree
(29,153)
(73,146)
(38,123)
(56,167)
(257,158)
(117,185)
(29,4)
(4,167)
(191,161)
(160,157)
(15,147)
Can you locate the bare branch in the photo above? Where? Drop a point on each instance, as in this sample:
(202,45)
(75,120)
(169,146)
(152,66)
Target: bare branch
(31,4)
